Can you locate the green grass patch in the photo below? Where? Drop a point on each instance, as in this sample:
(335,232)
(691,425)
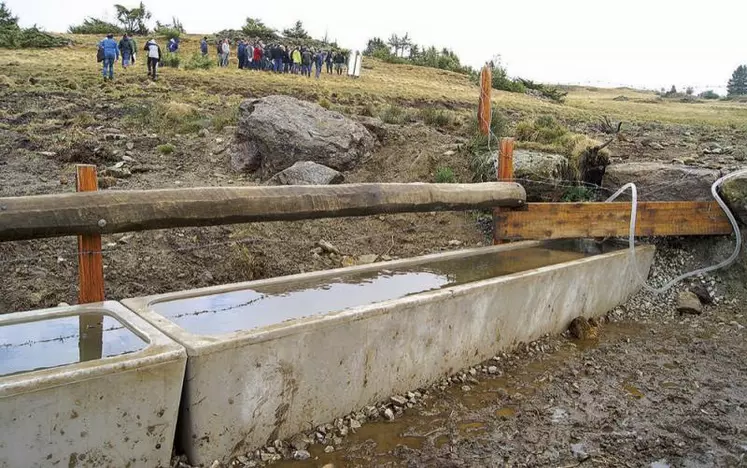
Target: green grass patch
(168,148)
(436,117)
(445,175)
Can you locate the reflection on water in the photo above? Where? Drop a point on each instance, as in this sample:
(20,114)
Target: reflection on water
(248,309)
(42,344)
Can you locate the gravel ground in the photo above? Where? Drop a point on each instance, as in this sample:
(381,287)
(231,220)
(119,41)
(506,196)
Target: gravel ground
(655,389)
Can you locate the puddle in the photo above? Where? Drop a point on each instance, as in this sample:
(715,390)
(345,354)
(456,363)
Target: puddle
(43,344)
(453,414)
(248,309)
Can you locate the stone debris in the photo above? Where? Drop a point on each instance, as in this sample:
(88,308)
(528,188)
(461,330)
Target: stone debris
(579,451)
(388,414)
(689,303)
(399,400)
(301,455)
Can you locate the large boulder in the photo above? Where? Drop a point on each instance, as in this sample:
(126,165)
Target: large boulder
(734,192)
(662,182)
(539,173)
(275,132)
(307,173)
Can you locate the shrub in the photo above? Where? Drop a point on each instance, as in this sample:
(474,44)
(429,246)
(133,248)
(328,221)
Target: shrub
(171,60)
(93,25)
(369,110)
(324,102)
(394,114)
(168,32)
(436,117)
(482,149)
(228,116)
(169,117)
(709,94)
(168,148)
(199,62)
(444,175)
(579,193)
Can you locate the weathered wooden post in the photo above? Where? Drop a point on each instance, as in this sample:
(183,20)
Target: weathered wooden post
(505,174)
(90,275)
(484,106)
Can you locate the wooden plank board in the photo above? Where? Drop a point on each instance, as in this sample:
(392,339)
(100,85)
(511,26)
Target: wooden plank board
(113,211)
(578,220)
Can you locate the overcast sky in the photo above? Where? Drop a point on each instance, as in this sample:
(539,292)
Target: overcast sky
(642,43)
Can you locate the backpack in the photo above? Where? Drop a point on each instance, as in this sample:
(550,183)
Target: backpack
(100,54)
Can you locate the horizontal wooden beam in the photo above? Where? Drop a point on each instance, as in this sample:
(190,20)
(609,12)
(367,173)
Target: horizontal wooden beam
(121,211)
(578,220)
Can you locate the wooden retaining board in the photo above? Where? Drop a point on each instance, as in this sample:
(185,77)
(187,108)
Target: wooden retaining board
(579,220)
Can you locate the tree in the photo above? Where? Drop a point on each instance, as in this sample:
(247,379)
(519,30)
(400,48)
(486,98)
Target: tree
(738,83)
(7,20)
(255,28)
(296,32)
(405,43)
(375,44)
(689,91)
(133,19)
(395,42)
(673,90)
(93,25)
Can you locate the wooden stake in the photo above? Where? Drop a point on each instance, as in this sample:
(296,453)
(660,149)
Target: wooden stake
(484,107)
(90,275)
(505,174)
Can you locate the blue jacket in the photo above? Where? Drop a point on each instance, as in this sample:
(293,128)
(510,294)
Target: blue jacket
(242,49)
(111,48)
(204,47)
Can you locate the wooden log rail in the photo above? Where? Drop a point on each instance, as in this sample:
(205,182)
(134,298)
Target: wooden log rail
(109,212)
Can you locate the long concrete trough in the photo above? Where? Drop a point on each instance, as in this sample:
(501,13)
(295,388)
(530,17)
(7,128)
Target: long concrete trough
(87,386)
(268,358)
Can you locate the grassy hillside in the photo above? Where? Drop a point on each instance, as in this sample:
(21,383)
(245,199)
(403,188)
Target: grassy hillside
(74,69)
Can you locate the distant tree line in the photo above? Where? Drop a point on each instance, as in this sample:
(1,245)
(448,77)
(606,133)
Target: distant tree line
(129,20)
(403,50)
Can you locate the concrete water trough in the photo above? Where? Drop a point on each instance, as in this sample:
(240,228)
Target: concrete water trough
(87,386)
(270,358)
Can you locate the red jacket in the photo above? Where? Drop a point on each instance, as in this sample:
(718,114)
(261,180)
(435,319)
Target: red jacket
(257,54)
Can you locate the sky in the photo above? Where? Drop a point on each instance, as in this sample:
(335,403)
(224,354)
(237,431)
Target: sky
(638,43)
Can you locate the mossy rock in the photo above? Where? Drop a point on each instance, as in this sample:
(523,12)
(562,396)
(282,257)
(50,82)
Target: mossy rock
(734,192)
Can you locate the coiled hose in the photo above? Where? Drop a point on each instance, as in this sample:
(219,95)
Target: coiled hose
(721,203)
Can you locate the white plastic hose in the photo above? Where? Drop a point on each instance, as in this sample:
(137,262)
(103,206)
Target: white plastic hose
(721,203)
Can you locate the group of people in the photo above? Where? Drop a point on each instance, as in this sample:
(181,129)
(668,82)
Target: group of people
(278,58)
(110,51)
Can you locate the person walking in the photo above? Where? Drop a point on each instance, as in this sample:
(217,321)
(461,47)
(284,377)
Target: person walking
(306,62)
(125,51)
(296,57)
(153,51)
(318,63)
(240,50)
(329,60)
(225,52)
(110,52)
(204,46)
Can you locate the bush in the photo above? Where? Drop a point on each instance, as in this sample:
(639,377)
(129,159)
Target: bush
(580,193)
(394,114)
(168,148)
(227,116)
(169,117)
(30,38)
(444,175)
(482,149)
(168,32)
(710,94)
(199,62)
(436,117)
(171,60)
(93,25)
(324,102)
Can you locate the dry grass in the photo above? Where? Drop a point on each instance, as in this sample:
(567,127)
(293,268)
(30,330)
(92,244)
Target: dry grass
(74,70)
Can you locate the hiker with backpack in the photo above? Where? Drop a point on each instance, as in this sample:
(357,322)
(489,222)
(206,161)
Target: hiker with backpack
(153,51)
(108,53)
(126,50)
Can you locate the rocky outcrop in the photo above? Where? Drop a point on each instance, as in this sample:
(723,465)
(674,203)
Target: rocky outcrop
(538,172)
(662,182)
(307,173)
(275,132)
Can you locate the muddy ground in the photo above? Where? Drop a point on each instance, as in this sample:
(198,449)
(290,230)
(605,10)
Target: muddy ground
(655,389)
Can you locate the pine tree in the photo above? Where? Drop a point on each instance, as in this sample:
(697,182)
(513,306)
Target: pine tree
(738,83)
(296,32)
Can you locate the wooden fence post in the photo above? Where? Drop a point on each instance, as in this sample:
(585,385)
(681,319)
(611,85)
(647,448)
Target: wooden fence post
(484,106)
(90,276)
(505,174)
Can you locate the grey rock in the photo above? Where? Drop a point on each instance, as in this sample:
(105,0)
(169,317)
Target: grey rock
(374,125)
(492,370)
(301,455)
(329,449)
(118,172)
(299,442)
(660,464)
(662,182)
(275,132)
(579,451)
(388,414)
(688,303)
(307,173)
(328,247)
(734,192)
(203,133)
(702,292)
(538,171)
(399,400)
